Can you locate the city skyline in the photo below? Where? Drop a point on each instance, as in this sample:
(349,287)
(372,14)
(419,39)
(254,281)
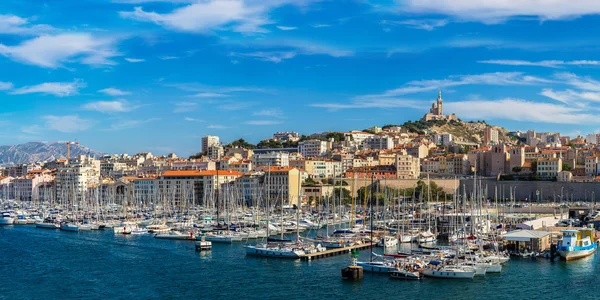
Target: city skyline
(140,75)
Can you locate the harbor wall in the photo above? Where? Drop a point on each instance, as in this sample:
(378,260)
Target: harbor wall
(549,191)
(447,184)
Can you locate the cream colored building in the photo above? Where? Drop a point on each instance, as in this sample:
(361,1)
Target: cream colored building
(283,184)
(549,167)
(318,168)
(407,167)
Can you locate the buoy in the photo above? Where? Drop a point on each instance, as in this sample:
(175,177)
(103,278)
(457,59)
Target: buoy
(352,272)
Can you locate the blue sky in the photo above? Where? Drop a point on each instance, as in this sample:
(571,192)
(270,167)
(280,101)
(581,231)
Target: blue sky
(143,75)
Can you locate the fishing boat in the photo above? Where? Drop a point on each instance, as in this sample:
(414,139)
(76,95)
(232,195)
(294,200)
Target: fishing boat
(7,218)
(577,244)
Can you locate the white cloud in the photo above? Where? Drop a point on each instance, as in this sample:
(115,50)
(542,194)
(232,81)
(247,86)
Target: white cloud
(209,95)
(273,112)
(542,63)
(33,129)
(498,78)
(128,124)
(521,110)
(11,24)
(216,126)
(108,106)
(4,86)
(52,51)
(192,119)
(584,83)
(262,122)
(321,25)
(290,49)
(245,16)
(203,17)
(383,103)
(114,92)
(168,57)
(273,56)
(67,124)
(424,24)
(181,107)
(59,89)
(495,11)
(286,28)
(134,60)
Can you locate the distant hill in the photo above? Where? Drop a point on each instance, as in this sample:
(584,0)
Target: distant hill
(462,131)
(37,151)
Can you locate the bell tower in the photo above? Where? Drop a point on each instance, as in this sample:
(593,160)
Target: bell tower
(440,110)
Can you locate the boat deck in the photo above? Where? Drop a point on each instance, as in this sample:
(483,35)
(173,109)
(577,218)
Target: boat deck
(335,252)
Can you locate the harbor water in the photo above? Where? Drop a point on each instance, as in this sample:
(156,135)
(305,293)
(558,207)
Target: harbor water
(37,263)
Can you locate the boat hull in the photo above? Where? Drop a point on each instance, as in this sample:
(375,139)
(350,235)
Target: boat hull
(266,252)
(577,254)
(7,221)
(449,274)
(47,226)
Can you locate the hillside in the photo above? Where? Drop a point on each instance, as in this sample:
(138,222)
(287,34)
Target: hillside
(461,131)
(36,151)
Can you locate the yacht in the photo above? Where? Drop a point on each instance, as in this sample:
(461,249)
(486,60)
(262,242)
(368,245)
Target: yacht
(376,266)
(7,218)
(451,272)
(388,242)
(405,274)
(66,226)
(577,244)
(175,235)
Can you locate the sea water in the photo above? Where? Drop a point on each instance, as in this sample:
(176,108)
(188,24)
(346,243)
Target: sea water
(53,264)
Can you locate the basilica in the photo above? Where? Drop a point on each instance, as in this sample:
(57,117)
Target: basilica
(437,111)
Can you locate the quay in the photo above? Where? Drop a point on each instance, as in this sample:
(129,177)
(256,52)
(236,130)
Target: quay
(335,252)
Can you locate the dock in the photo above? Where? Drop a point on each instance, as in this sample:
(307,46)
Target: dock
(335,252)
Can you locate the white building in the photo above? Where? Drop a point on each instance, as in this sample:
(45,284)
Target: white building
(490,136)
(549,167)
(286,136)
(278,159)
(313,148)
(209,141)
(29,186)
(72,181)
(442,139)
(379,142)
(192,187)
(592,138)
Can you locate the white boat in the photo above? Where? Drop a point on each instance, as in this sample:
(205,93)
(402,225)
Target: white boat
(480,268)
(46,225)
(85,227)
(19,221)
(577,244)
(280,251)
(451,272)
(175,235)
(7,219)
(405,274)
(376,266)
(426,237)
(221,237)
(125,228)
(161,228)
(66,226)
(388,242)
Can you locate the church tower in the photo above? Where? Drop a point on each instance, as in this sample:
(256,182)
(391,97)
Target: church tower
(440,110)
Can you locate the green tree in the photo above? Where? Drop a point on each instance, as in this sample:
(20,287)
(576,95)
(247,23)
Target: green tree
(517,169)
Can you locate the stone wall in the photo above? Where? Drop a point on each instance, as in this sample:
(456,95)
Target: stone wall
(549,191)
(447,184)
